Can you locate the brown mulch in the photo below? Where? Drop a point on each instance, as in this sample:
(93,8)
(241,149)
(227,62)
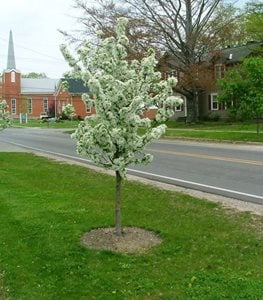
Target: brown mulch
(133,240)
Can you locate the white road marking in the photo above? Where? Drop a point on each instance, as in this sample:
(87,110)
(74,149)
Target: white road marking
(200,185)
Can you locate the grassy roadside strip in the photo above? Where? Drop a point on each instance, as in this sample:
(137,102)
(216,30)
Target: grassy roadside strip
(50,124)
(45,207)
(220,126)
(214,135)
(214,131)
(237,132)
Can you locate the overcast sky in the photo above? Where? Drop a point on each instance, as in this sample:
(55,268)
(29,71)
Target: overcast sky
(35,25)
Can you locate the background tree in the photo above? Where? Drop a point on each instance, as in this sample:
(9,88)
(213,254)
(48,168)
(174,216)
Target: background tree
(102,17)
(227,27)
(34,75)
(254,20)
(121,92)
(68,111)
(186,29)
(5,118)
(241,89)
(23,105)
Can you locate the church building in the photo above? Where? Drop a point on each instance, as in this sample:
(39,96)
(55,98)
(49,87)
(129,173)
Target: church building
(38,96)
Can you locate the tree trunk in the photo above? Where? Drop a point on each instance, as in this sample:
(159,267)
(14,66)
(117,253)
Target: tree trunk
(118,228)
(192,108)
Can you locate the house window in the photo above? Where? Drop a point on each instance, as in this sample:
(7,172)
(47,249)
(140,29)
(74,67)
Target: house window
(13,106)
(88,109)
(181,106)
(29,105)
(13,76)
(219,71)
(172,73)
(214,102)
(45,105)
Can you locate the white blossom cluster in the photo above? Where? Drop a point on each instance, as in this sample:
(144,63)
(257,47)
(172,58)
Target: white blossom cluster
(5,118)
(69,110)
(121,92)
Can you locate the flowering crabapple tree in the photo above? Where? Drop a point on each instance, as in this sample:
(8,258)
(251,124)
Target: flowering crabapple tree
(5,119)
(69,111)
(121,92)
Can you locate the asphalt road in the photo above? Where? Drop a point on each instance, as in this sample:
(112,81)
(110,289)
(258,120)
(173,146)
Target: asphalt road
(227,169)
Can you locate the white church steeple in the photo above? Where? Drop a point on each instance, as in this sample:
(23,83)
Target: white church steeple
(11,63)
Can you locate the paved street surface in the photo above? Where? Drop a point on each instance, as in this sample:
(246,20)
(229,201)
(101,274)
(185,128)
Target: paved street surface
(235,171)
(6,147)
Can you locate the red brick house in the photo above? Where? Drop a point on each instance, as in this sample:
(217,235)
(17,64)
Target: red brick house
(212,68)
(219,63)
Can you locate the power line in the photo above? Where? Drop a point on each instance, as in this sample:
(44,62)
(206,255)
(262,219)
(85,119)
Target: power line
(32,50)
(34,59)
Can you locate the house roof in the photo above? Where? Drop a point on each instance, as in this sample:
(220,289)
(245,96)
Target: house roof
(76,86)
(38,85)
(230,55)
(236,54)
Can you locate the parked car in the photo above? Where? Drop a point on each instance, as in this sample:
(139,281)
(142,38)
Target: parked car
(43,116)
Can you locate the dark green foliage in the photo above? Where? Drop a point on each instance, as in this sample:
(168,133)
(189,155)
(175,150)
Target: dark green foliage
(34,75)
(254,20)
(241,89)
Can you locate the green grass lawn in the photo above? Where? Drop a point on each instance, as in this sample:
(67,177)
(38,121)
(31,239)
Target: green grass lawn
(45,207)
(233,132)
(205,134)
(236,132)
(219,125)
(51,124)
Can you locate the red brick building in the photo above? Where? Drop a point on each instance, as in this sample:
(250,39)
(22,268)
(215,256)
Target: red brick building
(36,96)
(211,69)
(72,95)
(42,96)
